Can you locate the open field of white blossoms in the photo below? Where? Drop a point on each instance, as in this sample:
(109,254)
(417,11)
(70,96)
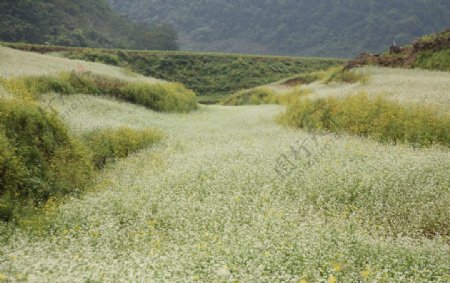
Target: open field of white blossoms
(232,196)
(208,205)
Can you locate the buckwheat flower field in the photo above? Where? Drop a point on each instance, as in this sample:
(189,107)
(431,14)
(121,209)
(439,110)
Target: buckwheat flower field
(213,203)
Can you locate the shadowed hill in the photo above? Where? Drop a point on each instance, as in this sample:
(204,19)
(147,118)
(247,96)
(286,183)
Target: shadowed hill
(78,23)
(292,27)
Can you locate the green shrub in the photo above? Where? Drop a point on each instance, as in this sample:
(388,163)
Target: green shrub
(377,118)
(341,75)
(109,144)
(168,97)
(38,157)
(433,60)
(205,73)
(306,78)
(263,95)
(254,96)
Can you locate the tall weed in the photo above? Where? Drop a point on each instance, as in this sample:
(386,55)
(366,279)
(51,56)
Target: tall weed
(38,157)
(109,144)
(168,97)
(377,118)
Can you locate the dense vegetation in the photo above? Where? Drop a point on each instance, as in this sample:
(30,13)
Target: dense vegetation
(430,52)
(107,145)
(167,97)
(293,87)
(377,118)
(78,23)
(41,160)
(230,195)
(306,27)
(34,145)
(205,73)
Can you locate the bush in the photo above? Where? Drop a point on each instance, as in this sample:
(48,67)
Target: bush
(304,78)
(254,96)
(108,144)
(433,60)
(168,97)
(341,75)
(377,118)
(206,74)
(262,95)
(38,157)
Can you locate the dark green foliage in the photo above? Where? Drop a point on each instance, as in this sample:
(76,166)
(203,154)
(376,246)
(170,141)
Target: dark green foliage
(341,75)
(167,97)
(78,23)
(209,74)
(110,144)
(431,60)
(431,52)
(252,97)
(38,158)
(301,79)
(295,27)
(377,118)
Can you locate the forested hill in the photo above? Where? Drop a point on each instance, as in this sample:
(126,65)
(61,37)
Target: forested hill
(85,23)
(333,28)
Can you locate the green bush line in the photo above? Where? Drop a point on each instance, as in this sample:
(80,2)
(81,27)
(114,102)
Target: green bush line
(377,118)
(433,60)
(208,74)
(40,160)
(166,97)
(340,75)
(266,95)
(255,96)
(34,145)
(111,144)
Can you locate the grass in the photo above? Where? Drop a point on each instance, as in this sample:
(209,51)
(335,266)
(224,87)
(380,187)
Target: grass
(205,73)
(431,52)
(167,97)
(264,95)
(17,63)
(430,60)
(217,210)
(290,89)
(230,195)
(428,88)
(377,118)
(34,145)
(341,75)
(109,144)
(255,96)
(302,79)
(41,160)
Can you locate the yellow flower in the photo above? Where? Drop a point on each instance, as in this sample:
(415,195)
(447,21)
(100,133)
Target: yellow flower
(303,281)
(337,267)
(332,279)
(3,277)
(366,273)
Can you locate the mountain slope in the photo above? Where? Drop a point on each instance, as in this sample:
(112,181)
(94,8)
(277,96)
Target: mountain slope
(292,27)
(428,52)
(78,23)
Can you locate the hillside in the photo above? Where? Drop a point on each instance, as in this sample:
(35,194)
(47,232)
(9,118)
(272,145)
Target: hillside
(210,75)
(78,23)
(428,52)
(292,27)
